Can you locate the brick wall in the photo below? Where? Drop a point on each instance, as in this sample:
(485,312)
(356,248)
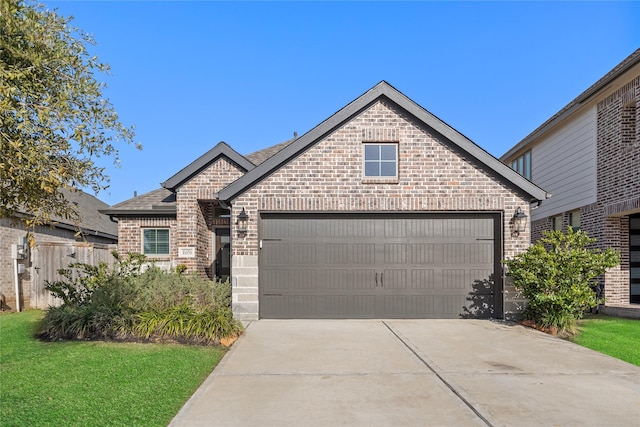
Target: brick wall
(130,236)
(192,226)
(618,191)
(328,177)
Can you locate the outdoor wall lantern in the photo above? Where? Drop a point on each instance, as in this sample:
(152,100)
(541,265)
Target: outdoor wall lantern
(518,222)
(242,220)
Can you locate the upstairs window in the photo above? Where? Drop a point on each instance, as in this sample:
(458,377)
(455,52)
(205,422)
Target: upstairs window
(522,165)
(380,160)
(156,241)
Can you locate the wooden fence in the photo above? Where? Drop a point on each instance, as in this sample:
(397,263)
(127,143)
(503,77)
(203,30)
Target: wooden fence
(49,257)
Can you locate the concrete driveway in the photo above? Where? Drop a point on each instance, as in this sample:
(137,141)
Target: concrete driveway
(412,373)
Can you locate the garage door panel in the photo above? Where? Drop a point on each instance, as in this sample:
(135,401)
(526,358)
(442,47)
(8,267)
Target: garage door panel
(337,253)
(280,279)
(363,253)
(392,281)
(369,266)
(422,279)
(479,253)
(320,306)
(454,279)
(420,228)
(408,306)
(290,254)
(349,253)
(395,253)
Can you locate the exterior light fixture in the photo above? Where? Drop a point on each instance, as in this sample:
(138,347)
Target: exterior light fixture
(518,222)
(241,222)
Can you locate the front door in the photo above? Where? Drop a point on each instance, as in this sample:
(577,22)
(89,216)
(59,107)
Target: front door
(223,253)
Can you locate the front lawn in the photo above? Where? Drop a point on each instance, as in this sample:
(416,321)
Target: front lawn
(614,336)
(82,383)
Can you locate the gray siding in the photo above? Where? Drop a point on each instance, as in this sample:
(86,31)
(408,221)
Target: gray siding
(564,163)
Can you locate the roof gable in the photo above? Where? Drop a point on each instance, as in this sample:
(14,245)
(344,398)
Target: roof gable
(382,90)
(202,162)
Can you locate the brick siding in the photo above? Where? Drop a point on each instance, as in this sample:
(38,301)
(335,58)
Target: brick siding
(192,226)
(432,177)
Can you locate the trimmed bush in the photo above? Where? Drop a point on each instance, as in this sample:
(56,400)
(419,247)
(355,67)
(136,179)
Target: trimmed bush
(557,274)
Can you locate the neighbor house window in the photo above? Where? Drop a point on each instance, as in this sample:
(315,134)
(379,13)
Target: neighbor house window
(381,160)
(556,223)
(522,165)
(156,241)
(574,220)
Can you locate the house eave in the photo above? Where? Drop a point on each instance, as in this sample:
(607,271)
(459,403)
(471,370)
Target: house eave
(140,212)
(382,90)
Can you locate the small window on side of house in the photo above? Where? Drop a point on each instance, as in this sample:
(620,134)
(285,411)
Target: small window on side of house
(556,223)
(522,165)
(155,241)
(574,220)
(380,160)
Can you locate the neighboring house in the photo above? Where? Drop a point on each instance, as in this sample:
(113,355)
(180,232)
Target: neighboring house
(44,259)
(380,211)
(588,156)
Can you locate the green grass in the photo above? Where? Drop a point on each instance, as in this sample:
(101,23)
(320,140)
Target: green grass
(614,336)
(94,383)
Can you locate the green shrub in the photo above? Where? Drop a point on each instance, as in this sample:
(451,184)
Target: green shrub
(556,274)
(125,302)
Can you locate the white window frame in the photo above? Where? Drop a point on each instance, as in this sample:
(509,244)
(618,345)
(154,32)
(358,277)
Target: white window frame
(143,230)
(379,161)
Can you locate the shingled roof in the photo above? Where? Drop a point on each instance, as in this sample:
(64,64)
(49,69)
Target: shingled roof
(90,219)
(160,202)
(260,156)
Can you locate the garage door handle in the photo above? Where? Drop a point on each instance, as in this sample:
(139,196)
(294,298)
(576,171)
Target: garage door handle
(269,240)
(382,279)
(376,280)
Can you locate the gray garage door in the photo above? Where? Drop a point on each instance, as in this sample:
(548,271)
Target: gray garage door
(380,266)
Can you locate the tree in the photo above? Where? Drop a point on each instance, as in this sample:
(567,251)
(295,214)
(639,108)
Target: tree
(556,276)
(54,120)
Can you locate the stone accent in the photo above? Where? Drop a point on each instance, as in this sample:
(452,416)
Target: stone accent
(245,287)
(328,177)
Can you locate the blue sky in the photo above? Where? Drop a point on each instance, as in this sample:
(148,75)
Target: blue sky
(191,74)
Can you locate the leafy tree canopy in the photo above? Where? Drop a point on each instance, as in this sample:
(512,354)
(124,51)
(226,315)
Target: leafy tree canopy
(54,120)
